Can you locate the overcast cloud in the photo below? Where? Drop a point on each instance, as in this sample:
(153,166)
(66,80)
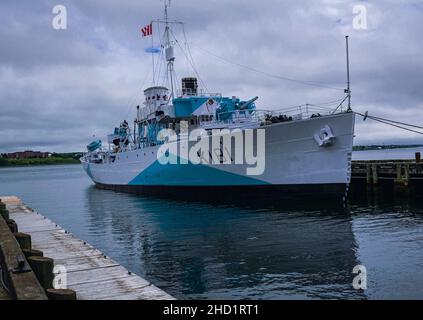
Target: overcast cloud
(58,88)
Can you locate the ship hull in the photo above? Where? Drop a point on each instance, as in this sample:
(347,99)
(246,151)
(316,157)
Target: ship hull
(271,194)
(295,166)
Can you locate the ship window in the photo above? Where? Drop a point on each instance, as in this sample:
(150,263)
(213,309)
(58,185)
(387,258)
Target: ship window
(148,98)
(158,97)
(192,121)
(164,97)
(153,97)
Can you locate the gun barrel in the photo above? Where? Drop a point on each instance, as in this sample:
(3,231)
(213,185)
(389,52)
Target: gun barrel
(245,104)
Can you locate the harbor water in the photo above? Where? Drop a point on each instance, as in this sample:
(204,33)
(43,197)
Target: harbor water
(220,251)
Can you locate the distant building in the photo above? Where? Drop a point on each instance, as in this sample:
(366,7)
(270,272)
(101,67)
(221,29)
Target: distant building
(26,155)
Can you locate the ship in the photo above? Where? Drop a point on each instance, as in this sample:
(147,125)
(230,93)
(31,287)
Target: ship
(188,142)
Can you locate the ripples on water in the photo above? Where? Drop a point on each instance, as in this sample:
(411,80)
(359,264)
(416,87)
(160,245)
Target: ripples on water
(200,250)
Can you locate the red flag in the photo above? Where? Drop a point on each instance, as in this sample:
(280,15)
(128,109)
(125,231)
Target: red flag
(147,30)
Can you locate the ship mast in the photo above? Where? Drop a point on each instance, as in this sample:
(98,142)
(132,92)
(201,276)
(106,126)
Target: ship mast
(170,57)
(348,90)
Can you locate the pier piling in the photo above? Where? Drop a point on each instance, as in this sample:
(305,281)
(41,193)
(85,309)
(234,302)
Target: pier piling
(398,173)
(61,294)
(32,253)
(24,240)
(43,269)
(368,174)
(374,174)
(12,225)
(20,281)
(4,213)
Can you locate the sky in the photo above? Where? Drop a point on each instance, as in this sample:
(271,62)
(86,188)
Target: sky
(60,88)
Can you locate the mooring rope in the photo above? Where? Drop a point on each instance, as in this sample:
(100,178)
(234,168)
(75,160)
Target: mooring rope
(392,123)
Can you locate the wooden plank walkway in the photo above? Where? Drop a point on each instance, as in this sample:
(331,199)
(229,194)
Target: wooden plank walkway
(90,273)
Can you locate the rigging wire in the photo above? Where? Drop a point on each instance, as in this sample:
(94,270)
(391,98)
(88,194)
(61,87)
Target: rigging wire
(304,82)
(159,67)
(152,58)
(135,97)
(329,102)
(191,62)
(191,59)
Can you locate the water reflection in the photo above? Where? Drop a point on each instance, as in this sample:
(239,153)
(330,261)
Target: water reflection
(198,250)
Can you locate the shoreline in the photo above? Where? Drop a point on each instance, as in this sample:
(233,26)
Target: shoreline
(15,163)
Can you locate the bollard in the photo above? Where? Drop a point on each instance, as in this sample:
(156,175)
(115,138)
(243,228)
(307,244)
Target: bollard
(32,253)
(23,239)
(418,157)
(43,269)
(12,225)
(61,294)
(4,213)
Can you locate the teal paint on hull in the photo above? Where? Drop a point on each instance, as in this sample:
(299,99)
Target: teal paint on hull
(191,175)
(88,170)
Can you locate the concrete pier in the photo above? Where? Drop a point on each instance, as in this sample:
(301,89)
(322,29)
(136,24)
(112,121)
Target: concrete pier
(88,271)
